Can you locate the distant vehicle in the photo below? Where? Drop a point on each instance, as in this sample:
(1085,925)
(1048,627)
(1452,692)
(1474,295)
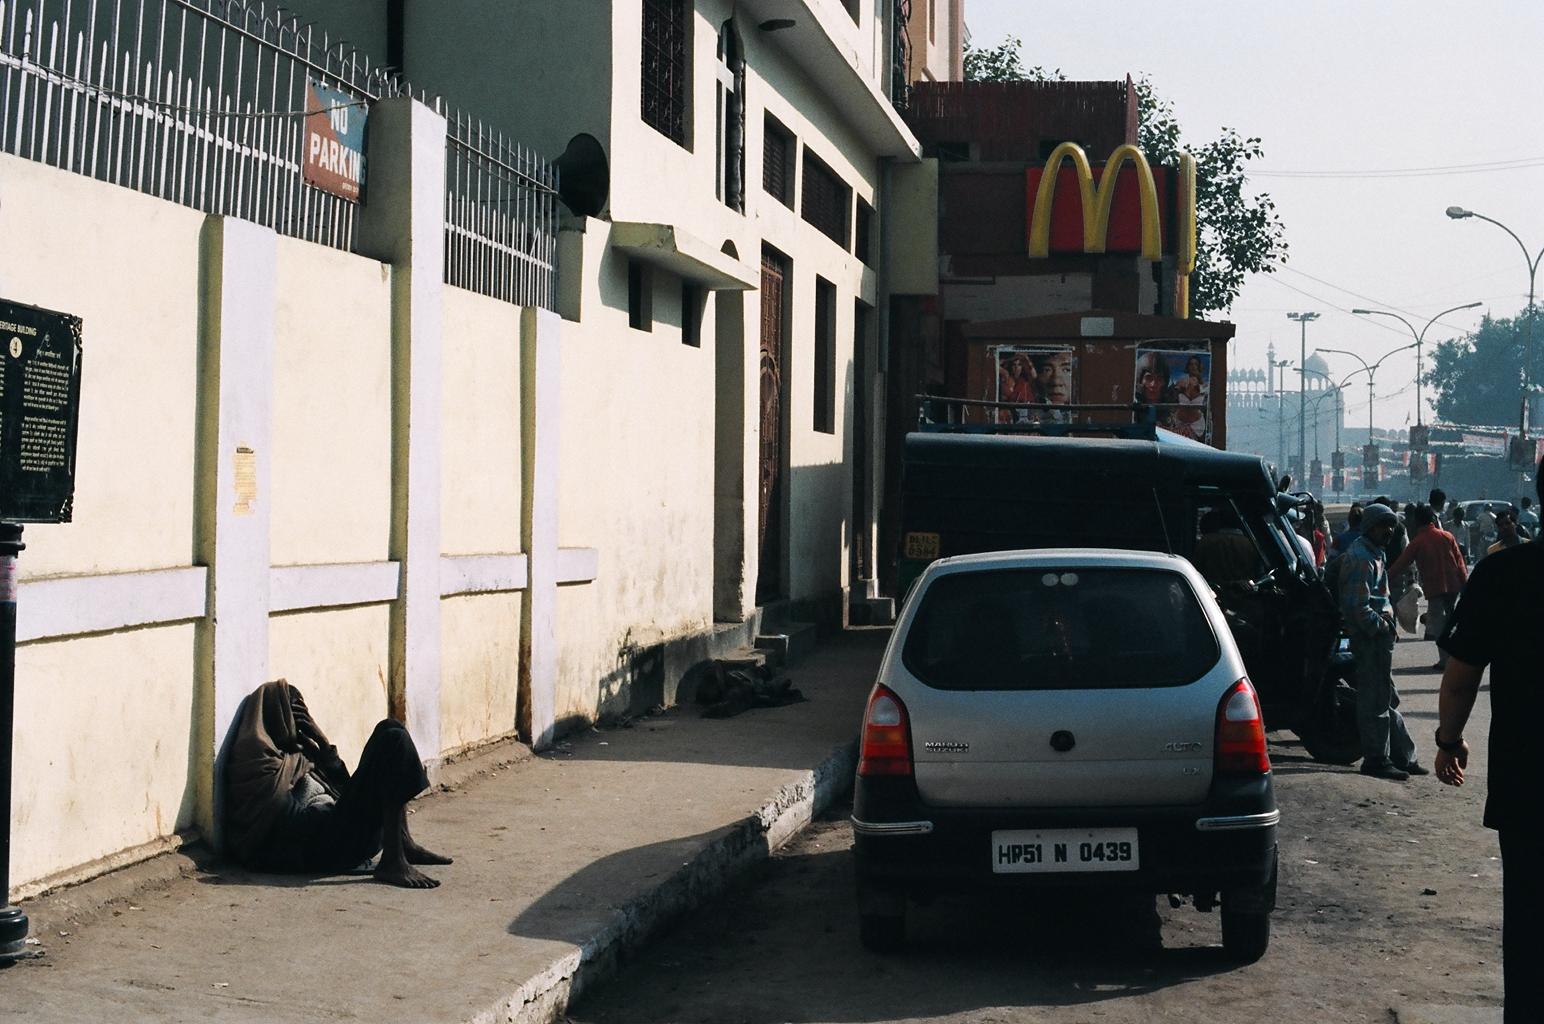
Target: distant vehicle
(1065,717)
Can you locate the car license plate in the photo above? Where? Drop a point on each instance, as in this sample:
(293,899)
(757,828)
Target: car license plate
(1064,849)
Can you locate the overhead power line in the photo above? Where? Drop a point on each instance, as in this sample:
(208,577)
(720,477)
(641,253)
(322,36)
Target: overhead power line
(1438,170)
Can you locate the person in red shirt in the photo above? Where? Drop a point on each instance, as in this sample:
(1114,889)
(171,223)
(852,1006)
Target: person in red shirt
(1435,554)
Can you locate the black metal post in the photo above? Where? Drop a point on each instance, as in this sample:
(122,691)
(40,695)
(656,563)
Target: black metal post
(13,923)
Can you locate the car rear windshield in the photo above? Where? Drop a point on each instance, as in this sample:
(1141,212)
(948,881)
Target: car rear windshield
(1059,629)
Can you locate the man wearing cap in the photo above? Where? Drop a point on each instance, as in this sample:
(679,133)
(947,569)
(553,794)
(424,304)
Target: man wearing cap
(1388,752)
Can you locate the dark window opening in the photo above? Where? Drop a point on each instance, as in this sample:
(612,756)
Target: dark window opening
(640,297)
(666,71)
(825,356)
(863,234)
(954,152)
(827,200)
(731,119)
(852,9)
(693,302)
(777,161)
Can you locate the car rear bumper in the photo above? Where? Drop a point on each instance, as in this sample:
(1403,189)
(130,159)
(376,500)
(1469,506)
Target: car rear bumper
(1227,843)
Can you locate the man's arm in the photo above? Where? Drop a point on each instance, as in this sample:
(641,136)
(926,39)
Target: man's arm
(1405,558)
(1460,687)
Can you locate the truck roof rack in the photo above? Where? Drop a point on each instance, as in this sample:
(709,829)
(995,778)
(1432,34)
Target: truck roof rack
(943,414)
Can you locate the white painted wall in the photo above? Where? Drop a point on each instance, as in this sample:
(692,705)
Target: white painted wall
(140,364)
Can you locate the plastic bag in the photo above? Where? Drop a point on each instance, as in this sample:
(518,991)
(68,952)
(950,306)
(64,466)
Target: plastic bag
(1408,610)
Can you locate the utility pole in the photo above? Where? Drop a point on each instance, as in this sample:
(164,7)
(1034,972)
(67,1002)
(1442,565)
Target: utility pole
(1303,320)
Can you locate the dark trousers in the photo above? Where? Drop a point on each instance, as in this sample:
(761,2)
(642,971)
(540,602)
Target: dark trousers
(1522,908)
(1384,737)
(331,837)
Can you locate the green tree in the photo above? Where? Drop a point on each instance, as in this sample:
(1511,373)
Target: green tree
(1004,63)
(1478,377)
(1238,232)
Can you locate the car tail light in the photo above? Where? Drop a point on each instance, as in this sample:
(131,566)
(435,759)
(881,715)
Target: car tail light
(886,746)
(1241,733)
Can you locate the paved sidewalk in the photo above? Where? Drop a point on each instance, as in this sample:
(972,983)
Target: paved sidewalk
(562,861)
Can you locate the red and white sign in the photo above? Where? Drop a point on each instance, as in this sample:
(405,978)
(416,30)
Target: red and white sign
(334,145)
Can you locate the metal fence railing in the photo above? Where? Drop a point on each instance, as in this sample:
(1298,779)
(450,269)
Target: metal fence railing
(501,216)
(203,103)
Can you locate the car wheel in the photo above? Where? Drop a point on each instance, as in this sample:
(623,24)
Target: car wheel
(1245,936)
(882,933)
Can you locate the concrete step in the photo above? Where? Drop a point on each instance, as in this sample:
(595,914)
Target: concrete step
(791,641)
(871,611)
(750,658)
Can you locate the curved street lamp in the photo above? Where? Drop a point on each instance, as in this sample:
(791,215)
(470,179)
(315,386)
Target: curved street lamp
(1420,338)
(1459,213)
(1372,372)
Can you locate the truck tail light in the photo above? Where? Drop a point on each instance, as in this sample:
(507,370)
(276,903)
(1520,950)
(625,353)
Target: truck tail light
(1240,746)
(886,745)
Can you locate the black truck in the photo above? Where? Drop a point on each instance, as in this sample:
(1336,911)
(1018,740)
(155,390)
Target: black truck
(968,489)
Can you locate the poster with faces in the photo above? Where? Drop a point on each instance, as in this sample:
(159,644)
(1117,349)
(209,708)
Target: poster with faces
(1041,378)
(1178,385)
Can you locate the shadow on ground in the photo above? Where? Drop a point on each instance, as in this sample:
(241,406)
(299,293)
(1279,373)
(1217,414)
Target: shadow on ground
(784,946)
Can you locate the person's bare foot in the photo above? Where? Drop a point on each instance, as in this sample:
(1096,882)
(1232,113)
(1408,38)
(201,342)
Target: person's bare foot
(404,875)
(416,854)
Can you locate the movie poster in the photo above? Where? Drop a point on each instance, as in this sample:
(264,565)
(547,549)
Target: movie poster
(1036,376)
(1178,386)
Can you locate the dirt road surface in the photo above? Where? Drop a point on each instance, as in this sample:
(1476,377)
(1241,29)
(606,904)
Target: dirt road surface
(1388,910)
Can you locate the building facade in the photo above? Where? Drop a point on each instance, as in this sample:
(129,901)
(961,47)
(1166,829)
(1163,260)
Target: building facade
(452,449)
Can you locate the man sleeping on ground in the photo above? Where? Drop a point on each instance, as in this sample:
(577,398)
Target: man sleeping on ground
(291,805)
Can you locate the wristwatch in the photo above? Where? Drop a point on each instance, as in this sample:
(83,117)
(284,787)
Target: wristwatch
(1451,747)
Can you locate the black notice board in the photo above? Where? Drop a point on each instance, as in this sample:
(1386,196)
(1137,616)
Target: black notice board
(39,412)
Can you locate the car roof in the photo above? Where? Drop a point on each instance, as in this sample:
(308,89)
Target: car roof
(1044,558)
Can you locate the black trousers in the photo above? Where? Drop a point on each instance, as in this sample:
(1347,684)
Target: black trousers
(1522,908)
(332,837)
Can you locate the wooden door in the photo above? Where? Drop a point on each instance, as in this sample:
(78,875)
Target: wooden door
(769,580)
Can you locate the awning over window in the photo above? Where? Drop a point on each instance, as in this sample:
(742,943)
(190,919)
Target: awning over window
(669,248)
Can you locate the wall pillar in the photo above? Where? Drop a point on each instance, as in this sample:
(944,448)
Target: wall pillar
(402,221)
(235,416)
(540,412)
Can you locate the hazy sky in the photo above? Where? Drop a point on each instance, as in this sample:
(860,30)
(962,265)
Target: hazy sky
(1350,86)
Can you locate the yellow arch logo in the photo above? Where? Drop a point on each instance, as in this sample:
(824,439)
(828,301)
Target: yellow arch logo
(1099,199)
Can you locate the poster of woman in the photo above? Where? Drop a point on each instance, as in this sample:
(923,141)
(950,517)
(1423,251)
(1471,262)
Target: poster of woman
(1179,385)
(1034,376)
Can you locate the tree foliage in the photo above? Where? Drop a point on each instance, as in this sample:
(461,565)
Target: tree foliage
(1238,232)
(1478,377)
(1004,63)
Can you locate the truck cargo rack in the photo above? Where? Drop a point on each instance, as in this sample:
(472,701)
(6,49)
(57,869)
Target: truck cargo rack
(944,414)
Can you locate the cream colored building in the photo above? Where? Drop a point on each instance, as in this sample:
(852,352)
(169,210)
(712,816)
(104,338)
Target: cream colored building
(304,454)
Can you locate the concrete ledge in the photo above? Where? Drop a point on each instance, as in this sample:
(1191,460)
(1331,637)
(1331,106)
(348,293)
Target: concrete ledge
(545,997)
(482,574)
(297,587)
(72,605)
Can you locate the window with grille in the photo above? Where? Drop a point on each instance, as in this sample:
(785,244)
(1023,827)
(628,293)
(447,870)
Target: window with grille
(777,161)
(666,72)
(827,200)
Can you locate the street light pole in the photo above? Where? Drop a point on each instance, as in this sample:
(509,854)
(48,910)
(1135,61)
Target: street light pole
(1459,213)
(1420,338)
(1281,419)
(1303,320)
(1372,372)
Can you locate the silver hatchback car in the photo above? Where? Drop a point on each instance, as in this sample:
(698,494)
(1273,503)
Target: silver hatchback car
(1065,717)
